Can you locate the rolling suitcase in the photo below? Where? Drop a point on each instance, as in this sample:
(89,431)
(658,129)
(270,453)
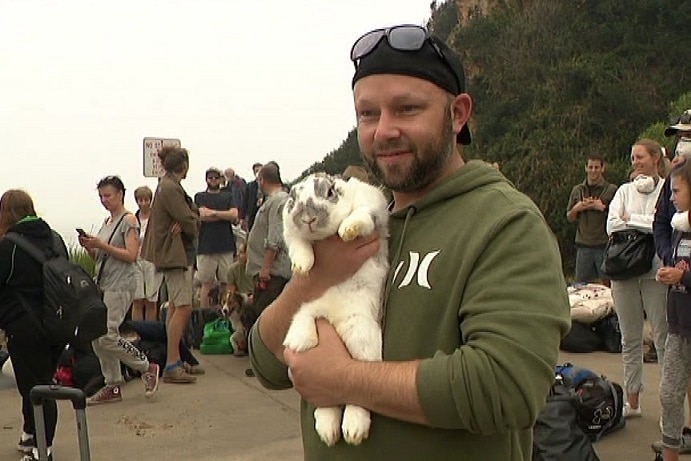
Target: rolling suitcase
(40,394)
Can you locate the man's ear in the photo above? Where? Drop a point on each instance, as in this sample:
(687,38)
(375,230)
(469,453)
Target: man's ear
(461,108)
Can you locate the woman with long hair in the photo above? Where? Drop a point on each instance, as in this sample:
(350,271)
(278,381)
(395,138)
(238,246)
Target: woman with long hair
(633,207)
(34,357)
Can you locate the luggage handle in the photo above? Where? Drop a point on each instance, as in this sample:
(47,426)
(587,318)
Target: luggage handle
(44,392)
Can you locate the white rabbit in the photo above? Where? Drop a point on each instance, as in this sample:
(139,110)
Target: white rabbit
(318,207)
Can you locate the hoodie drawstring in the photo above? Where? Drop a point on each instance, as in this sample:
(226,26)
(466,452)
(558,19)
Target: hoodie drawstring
(389,280)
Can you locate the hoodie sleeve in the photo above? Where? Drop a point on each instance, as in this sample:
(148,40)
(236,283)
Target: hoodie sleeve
(514,311)
(271,373)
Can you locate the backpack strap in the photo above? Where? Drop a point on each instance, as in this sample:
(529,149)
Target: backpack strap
(39,256)
(27,246)
(110,239)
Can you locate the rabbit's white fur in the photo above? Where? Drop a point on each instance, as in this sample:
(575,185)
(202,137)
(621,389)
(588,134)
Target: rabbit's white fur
(318,207)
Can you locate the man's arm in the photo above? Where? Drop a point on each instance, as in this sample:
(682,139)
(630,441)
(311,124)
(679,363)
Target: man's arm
(268,333)
(498,378)
(388,388)
(575,205)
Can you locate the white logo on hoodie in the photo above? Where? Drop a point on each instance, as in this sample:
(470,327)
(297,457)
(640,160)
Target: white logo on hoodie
(417,266)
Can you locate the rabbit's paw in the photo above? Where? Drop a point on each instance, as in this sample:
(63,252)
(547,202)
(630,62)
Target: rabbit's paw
(300,338)
(327,422)
(353,227)
(301,261)
(356,424)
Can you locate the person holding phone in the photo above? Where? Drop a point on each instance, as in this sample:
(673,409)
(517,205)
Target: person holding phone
(115,249)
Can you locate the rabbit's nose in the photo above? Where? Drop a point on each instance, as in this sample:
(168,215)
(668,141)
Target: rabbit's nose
(309,219)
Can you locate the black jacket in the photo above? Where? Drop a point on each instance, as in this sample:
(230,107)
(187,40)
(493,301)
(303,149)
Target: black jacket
(20,273)
(662,224)
(249,208)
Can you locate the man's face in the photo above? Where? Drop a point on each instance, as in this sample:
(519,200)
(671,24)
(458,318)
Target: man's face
(405,130)
(594,170)
(256,170)
(213,181)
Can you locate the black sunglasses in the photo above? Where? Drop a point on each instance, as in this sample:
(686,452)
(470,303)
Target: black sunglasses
(406,37)
(684,119)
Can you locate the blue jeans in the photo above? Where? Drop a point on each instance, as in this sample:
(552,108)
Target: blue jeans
(589,263)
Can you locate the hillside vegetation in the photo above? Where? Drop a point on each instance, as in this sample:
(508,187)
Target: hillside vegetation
(553,80)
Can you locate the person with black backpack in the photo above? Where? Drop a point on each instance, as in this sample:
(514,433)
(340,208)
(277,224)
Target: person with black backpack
(34,356)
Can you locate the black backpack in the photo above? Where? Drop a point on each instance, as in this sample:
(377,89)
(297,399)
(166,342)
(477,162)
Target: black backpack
(600,404)
(72,302)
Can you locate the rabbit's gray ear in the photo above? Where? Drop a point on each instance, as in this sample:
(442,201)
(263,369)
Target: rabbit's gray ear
(292,198)
(325,188)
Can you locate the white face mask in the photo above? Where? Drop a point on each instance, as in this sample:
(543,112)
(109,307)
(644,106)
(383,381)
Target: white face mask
(683,148)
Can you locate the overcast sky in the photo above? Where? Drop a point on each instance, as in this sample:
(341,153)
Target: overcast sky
(83,82)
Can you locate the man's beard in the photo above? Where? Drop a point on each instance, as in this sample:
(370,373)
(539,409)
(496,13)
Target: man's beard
(213,187)
(428,160)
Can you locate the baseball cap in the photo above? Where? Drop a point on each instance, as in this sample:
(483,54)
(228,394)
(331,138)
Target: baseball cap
(683,123)
(433,61)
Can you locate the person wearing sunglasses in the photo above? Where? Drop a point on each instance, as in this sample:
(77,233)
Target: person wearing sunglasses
(475,303)
(665,210)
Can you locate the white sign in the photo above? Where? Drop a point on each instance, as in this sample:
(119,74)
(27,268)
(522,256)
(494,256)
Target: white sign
(152,164)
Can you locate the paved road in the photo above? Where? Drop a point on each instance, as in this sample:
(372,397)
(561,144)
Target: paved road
(228,416)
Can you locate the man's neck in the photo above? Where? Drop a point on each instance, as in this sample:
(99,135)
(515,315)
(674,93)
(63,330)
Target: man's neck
(214,191)
(271,188)
(595,182)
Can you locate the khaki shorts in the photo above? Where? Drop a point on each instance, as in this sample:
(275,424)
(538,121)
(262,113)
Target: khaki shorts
(179,285)
(214,266)
(148,280)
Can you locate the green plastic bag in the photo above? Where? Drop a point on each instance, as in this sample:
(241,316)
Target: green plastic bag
(216,339)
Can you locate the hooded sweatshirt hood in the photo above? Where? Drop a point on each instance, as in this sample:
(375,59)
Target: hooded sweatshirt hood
(474,174)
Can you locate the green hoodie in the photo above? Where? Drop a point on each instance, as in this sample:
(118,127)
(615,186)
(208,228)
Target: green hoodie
(476,291)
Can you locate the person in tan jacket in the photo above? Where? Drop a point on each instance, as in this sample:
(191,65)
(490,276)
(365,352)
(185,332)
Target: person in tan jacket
(169,243)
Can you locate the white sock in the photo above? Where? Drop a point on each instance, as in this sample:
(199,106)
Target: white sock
(26,436)
(50,450)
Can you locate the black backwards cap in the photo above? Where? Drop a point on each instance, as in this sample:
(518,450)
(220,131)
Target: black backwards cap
(425,63)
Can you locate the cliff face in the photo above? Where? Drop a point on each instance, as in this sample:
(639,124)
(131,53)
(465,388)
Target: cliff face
(469,9)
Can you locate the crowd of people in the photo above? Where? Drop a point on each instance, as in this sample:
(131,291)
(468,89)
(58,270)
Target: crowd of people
(469,256)
(163,251)
(654,202)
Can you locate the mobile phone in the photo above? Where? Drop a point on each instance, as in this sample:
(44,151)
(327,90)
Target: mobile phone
(81,232)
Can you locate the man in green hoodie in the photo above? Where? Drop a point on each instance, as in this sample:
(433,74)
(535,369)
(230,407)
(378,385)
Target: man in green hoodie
(475,301)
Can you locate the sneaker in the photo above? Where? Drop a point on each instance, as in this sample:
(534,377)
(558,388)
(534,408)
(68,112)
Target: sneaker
(193,369)
(150,378)
(630,412)
(26,443)
(685,447)
(33,455)
(107,394)
(178,375)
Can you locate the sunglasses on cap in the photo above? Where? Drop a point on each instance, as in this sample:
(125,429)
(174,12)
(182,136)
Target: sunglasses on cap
(684,119)
(406,37)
